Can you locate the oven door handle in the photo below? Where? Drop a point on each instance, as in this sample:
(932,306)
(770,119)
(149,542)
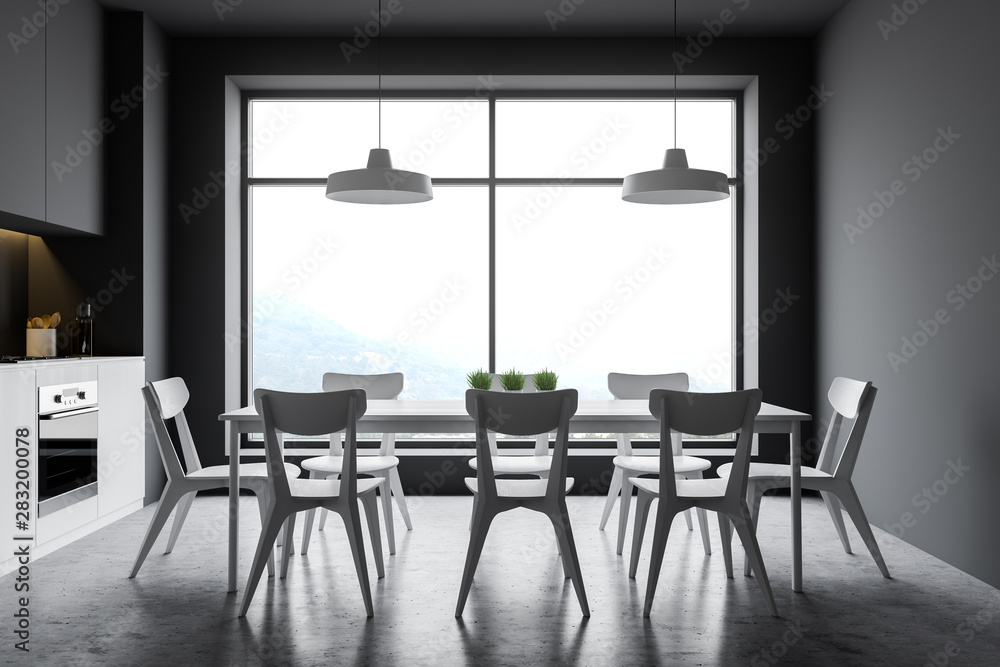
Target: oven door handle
(69,413)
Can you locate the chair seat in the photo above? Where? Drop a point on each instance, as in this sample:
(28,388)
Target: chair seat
(251,470)
(517,488)
(334,464)
(772,470)
(686,488)
(518,465)
(651,464)
(328,488)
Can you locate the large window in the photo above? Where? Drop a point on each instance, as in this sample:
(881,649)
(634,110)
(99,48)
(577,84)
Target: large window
(527,257)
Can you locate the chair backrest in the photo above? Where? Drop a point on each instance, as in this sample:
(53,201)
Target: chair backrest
(706,414)
(521,414)
(629,386)
(379,386)
(851,399)
(376,386)
(541,439)
(310,414)
(171,464)
(170,397)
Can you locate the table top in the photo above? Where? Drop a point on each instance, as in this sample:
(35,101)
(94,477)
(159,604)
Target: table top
(454,411)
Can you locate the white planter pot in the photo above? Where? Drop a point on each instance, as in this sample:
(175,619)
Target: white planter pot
(40,342)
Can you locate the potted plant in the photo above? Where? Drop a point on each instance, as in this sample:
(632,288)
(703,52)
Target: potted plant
(545,380)
(480,380)
(512,380)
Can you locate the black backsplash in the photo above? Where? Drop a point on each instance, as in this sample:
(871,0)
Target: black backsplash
(13,291)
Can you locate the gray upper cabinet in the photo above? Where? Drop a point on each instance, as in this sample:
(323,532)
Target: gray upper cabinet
(53,143)
(22,112)
(74,112)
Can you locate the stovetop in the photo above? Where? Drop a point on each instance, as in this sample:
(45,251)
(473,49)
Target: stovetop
(14,359)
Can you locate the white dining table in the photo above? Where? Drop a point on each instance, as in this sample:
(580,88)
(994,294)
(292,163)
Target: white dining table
(450,416)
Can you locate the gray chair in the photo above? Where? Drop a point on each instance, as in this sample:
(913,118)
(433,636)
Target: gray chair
(311,415)
(522,414)
(700,414)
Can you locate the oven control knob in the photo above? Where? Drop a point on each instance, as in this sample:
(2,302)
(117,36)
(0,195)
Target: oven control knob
(81,395)
(58,398)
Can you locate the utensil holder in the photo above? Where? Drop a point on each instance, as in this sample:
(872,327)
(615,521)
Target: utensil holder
(40,342)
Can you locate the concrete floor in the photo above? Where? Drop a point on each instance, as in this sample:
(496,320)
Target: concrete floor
(84,611)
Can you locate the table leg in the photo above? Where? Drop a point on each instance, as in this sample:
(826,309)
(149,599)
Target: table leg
(233,437)
(796,484)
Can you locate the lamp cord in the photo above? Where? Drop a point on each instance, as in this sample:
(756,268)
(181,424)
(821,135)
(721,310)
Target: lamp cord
(673,59)
(378,20)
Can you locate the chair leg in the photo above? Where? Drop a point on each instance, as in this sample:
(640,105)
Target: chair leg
(390,534)
(727,542)
(641,515)
(286,551)
(571,562)
(755,492)
(262,506)
(661,529)
(833,506)
(352,522)
(748,536)
(481,520)
(613,491)
(268,536)
(371,514)
(182,511)
(849,498)
(168,499)
(396,486)
(687,519)
(307,528)
(706,539)
(323,512)
(475,504)
(626,501)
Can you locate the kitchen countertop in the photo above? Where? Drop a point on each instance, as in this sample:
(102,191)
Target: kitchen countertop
(57,363)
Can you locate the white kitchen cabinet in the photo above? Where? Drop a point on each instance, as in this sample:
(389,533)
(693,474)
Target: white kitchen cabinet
(121,436)
(120,448)
(17,410)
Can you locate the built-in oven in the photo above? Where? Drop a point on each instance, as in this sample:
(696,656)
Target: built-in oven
(67,445)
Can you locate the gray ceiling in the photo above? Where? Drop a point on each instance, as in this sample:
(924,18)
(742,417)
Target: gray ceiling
(484,17)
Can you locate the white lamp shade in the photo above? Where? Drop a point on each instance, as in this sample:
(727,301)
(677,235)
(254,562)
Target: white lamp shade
(379,183)
(675,183)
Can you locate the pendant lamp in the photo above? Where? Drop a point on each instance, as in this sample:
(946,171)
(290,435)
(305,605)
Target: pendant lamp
(379,183)
(675,182)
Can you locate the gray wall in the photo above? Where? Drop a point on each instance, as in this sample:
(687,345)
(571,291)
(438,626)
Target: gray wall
(898,92)
(198,93)
(13,291)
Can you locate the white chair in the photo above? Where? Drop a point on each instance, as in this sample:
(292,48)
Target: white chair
(851,399)
(315,414)
(628,464)
(166,399)
(537,463)
(700,414)
(521,414)
(385,465)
